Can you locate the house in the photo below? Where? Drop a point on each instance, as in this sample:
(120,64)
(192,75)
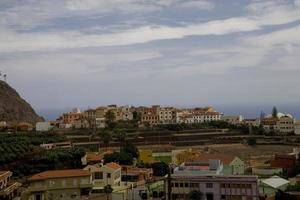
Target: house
(252,122)
(91,158)
(136,176)
(211,167)
(231,165)
(237,166)
(24,126)
(57,145)
(271,185)
(284,161)
(43,126)
(9,190)
(235,120)
(213,187)
(102,175)
(69,184)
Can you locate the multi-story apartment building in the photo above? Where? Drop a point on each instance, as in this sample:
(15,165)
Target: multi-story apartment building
(60,184)
(282,123)
(198,115)
(124,113)
(71,118)
(150,115)
(286,124)
(167,115)
(8,188)
(208,178)
(214,187)
(102,175)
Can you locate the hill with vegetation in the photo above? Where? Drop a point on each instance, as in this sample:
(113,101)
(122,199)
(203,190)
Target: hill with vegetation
(13,108)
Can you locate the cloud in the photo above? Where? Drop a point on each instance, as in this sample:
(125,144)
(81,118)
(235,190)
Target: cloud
(274,12)
(14,42)
(197,4)
(280,37)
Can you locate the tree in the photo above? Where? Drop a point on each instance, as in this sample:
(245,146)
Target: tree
(121,158)
(195,195)
(274,112)
(106,137)
(110,119)
(131,150)
(108,190)
(160,169)
(251,141)
(121,136)
(280,195)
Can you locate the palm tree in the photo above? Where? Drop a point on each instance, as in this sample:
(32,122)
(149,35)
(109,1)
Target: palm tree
(195,195)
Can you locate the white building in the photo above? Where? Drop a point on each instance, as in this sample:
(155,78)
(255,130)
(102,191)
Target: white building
(167,115)
(297,127)
(286,124)
(43,126)
(235,120)
(102,175)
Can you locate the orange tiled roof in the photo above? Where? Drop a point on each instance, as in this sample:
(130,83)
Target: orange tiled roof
(113,166)
(59,174)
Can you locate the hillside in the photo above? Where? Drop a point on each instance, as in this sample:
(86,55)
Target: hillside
(13,108)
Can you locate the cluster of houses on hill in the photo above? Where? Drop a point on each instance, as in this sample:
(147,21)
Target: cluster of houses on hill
(153,115)
(282,123)
(156,115)
(215,176)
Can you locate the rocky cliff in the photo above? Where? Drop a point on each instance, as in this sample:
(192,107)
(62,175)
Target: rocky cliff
(13,108)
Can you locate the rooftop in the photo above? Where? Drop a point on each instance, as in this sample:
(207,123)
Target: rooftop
(275,182)
(59,174)
(114,166)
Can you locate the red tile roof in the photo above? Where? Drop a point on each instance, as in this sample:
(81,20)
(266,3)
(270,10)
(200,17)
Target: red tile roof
(114,166)
(60,174)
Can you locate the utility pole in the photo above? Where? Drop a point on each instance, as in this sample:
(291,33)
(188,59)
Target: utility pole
(169,184)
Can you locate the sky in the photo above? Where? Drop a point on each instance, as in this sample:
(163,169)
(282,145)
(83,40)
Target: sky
(61,54)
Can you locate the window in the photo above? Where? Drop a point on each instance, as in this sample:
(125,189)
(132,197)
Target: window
(176,185)
(63,183)
(209,185)
(98,175)
(186,185)
(181,185)
(75,182)
(38,197)
(108,175)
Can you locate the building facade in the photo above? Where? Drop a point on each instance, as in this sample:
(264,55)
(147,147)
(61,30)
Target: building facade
(60,184)
(109,174)
(9,190)
(215,187)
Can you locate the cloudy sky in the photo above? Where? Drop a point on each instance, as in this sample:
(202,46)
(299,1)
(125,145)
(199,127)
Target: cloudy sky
(84,53)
